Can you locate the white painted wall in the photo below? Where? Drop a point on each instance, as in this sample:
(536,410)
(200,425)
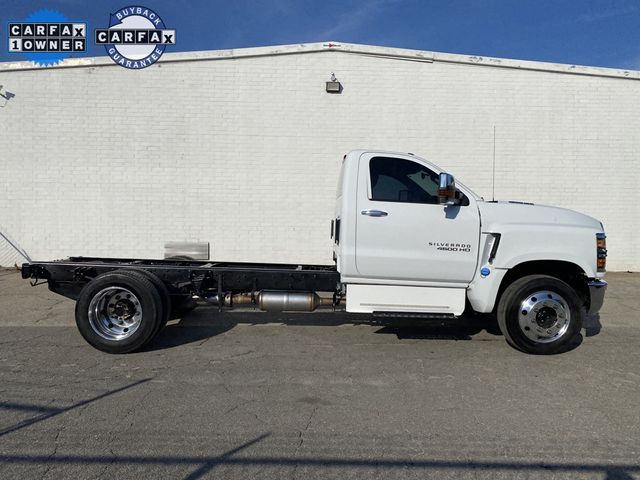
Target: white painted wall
(98,160)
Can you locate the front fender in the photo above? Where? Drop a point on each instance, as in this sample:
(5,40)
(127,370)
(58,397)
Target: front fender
(572,244)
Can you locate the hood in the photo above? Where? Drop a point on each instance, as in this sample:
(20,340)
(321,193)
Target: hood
(531,232)
(512,212)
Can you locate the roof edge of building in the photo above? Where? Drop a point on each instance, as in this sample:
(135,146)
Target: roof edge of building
(352,48)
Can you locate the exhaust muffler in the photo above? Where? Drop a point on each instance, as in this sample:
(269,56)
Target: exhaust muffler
(272,300)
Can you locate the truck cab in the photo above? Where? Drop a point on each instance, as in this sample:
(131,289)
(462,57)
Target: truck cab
(408,238)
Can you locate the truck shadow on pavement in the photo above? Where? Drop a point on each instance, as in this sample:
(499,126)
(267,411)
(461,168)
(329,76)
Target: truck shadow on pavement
(205,323)
(592,325)
(202,324)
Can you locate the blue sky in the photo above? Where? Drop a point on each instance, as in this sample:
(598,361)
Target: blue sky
(590,32)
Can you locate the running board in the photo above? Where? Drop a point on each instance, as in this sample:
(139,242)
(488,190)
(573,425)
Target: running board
(427,316)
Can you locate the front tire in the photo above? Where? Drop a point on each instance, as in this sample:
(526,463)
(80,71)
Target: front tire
(540,314)
(118,312)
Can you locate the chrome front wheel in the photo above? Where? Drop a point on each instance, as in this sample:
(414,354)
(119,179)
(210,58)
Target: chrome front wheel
(544,316)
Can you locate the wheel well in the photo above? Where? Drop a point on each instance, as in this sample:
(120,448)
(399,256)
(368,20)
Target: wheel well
(566,271)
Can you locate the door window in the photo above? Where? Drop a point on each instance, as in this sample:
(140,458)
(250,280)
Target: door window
(399,180)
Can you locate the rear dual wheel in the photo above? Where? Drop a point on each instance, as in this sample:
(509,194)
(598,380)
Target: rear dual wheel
(120,311)
(540,314)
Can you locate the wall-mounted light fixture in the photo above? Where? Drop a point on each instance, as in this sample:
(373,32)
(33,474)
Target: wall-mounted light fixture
(333,85)
(6,95)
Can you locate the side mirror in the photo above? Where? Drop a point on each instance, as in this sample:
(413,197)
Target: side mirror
(447,190)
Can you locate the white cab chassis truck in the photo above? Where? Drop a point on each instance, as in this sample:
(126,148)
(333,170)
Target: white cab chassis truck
(407,241)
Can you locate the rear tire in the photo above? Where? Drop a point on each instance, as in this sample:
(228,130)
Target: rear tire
(162,290)
(118,312)
(540,314)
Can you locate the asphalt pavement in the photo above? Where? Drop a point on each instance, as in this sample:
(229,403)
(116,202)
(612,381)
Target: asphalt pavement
(253,395)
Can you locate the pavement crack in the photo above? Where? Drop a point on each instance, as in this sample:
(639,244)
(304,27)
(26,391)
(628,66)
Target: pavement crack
(301,438)
(235,407)
(204,341)
(48,465)
(238,355)
(114,459)
(48,310)
(315,409)
(256,417)
(141,403)
(306,427)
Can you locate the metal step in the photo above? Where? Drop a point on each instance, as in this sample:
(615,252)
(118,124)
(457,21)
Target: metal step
(441,316)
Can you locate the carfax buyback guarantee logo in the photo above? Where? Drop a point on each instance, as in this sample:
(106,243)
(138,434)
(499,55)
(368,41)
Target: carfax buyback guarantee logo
(136,38)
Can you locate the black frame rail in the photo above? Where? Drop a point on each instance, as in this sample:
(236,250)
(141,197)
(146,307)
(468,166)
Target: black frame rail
(67,277)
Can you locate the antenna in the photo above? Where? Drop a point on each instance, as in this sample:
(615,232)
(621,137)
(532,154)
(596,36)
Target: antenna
(493,177)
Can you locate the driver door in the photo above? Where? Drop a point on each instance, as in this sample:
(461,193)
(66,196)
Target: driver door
(403,233)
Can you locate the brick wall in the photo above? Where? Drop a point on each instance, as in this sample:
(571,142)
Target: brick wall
(98,160)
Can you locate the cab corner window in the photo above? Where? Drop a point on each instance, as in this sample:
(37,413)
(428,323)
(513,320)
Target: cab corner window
(399,180)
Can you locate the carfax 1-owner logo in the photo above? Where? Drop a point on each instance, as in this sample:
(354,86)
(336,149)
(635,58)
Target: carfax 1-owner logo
(46,37)
(136,38)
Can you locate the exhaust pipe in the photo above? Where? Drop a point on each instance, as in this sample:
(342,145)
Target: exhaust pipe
(271,300)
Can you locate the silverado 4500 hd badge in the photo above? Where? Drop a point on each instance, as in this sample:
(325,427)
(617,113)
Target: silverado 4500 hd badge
(451,247)
(136,37)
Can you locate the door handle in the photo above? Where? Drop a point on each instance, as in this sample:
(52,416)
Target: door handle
(374,213)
